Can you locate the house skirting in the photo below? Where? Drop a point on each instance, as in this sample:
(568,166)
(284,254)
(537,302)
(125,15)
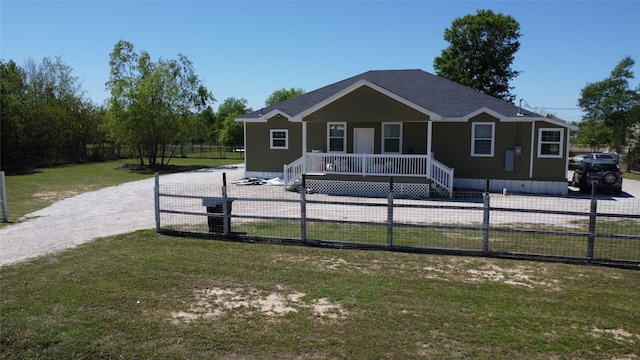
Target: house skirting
(368,188)
(418,190)
(514,186)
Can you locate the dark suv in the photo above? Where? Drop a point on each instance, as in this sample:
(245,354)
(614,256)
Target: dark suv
(606,174)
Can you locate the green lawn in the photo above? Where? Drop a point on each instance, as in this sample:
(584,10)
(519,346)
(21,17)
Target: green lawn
(631,176)
(37,189)
(144,295)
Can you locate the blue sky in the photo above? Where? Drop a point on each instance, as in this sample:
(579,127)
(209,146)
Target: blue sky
(248,49)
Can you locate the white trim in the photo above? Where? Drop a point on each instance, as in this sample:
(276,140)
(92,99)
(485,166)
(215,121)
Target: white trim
(566,158)
(382,148)
(484,110)
(560,144)
(344,137)
(304,138)
(265,117)
(503,118)
(245,144)
(473,138)
(286,139)
(532,150)
(358,84)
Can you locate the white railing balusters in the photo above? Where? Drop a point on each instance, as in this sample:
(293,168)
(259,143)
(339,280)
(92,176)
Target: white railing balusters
(372,164)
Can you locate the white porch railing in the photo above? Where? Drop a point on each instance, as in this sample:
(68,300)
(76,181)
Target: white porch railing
(372,165)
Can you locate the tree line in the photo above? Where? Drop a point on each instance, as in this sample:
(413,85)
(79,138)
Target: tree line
(156,105)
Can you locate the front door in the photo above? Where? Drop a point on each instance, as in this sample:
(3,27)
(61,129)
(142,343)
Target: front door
(363,140)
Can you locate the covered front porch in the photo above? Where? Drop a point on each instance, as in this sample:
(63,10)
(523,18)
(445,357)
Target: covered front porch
(341,170)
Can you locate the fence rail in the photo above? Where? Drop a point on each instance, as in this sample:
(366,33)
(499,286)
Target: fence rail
(590,230)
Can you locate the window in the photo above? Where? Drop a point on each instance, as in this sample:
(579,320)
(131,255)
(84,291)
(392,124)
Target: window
(550,143)
(482,139)
(337,135)
(279,139)
(391,138)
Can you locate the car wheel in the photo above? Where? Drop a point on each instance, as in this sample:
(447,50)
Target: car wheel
(609,178)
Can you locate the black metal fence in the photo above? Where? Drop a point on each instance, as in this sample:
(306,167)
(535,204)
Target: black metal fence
(592,229)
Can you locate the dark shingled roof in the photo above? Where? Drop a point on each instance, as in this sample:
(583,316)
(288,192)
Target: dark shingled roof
(436,94)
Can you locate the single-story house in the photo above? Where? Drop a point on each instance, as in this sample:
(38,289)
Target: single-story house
(429,133)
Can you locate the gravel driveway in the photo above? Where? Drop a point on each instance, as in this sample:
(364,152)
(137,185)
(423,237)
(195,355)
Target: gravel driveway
(110,211)
(129,207)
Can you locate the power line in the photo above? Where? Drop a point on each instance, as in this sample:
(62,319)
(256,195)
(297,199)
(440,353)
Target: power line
(546,108)
(526,105)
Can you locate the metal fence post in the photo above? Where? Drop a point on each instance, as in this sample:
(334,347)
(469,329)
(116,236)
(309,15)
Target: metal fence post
(156,197)
(3,186)
(485,222)
(226,211)
(303,209)
(591,238)
(390,213)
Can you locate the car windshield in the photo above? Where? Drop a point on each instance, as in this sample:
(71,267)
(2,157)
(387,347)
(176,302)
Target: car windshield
(601,156)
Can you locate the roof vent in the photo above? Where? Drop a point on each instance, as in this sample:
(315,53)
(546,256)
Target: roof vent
(520,109)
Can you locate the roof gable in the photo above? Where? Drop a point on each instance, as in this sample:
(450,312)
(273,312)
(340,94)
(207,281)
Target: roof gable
(355,86)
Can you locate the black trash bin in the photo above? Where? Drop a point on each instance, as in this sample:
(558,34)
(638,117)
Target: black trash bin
(216,206)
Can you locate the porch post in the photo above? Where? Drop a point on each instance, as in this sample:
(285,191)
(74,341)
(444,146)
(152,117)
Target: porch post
(304,138)
(304,147)
(429,134)
(429,155)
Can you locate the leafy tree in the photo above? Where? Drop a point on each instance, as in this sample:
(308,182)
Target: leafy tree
(12,96)
(593,134)
(608,104)
(231,132)
(153,104)
(46,118)
(282,95)
(633,155)
(480,53)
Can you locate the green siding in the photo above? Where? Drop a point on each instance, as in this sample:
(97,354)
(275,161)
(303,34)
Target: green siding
(317,136)
(451,145)
(367,108)
(414,137)
(549,168)
(366,105)
(260,156)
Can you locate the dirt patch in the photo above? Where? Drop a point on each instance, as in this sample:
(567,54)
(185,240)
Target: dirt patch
(620,335)
(54,195)
(451,269)
(517,276)
(212,303)
(471,271)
